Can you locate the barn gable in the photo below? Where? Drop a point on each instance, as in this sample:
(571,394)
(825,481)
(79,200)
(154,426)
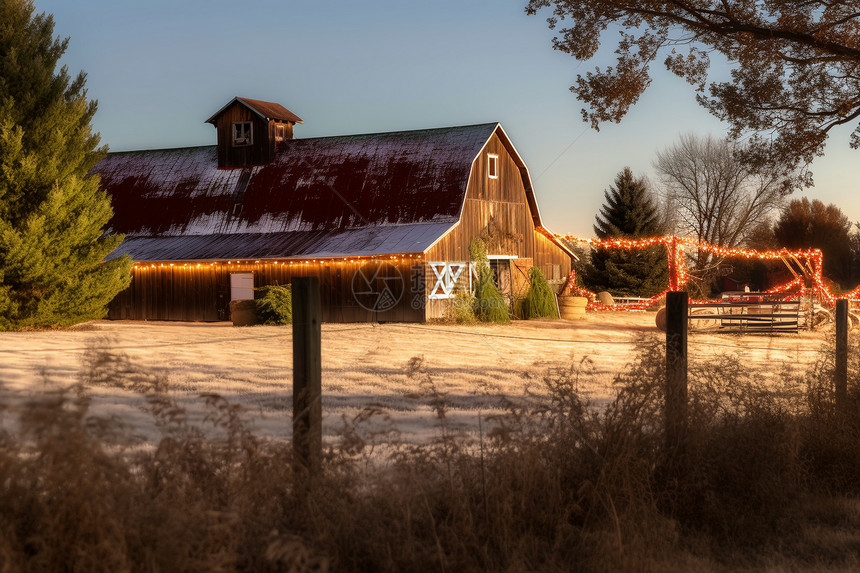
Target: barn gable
(500,205)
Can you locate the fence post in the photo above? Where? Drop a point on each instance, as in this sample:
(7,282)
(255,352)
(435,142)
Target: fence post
(307,373)
(841,374)
(676,369)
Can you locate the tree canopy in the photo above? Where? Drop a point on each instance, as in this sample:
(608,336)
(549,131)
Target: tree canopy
(52,211)
(628,210)
(804,224)
(794,66)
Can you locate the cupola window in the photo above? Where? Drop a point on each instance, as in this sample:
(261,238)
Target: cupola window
(243,134)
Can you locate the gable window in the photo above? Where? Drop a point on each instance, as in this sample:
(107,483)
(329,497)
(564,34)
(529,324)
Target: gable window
(243,134)
(280,132)
(492,166)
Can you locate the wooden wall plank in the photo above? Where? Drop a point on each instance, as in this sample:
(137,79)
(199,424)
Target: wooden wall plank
(191,293)
(498,208)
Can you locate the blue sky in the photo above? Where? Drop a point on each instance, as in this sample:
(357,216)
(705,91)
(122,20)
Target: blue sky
(160,68)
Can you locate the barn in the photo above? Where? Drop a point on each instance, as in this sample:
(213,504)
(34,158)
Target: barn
(384,220)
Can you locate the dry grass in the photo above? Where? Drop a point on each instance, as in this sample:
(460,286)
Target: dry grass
(769,480)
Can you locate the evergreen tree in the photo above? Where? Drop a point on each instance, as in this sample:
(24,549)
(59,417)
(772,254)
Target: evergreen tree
(805,224)
(52,211)
(629,212)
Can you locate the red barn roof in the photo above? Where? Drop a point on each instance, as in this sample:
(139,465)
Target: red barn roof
(355,195)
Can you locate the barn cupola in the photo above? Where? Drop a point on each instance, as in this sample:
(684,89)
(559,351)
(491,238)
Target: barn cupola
(249,130)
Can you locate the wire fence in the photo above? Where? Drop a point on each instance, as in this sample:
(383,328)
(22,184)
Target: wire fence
(390,367)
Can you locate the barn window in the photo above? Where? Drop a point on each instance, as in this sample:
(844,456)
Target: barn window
(280,132)
(492,166)
(243,134)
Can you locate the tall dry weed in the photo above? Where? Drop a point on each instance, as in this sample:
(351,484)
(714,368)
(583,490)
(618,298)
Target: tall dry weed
(554,484)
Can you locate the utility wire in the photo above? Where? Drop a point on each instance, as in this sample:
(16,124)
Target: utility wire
(575,139)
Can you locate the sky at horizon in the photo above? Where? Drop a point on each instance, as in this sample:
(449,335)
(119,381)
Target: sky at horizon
(160,68)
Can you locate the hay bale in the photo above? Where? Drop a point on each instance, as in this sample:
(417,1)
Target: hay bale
(243,312)
(572,307)
(660,319)
(605,298)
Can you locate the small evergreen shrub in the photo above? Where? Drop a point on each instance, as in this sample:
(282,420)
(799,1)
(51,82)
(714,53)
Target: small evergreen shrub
(275,304)
(540,300)
(462,309)
(490,305)
(519,305)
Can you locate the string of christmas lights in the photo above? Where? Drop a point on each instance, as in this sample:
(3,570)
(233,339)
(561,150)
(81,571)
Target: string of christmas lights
(274,263)
(679,275)
(675,248)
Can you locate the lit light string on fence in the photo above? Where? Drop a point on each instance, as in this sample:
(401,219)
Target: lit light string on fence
(679,275)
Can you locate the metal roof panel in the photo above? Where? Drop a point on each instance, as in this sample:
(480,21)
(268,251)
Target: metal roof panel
(364,241)
(322,185)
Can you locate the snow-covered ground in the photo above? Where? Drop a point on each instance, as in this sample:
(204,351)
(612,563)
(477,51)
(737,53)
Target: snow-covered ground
(364,366)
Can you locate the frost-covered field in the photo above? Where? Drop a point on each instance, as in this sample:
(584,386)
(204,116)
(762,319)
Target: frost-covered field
(364,365)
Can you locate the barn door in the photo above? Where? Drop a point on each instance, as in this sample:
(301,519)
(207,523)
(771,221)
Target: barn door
(520,277)
(502,275)
(241,286)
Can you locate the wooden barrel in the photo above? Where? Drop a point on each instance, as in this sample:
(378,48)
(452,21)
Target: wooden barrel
(572,307)
(243,312)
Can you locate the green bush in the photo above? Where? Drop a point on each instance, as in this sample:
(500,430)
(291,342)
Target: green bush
(540,300)
(519,309)
(462,309)
(490,305)
(275,304)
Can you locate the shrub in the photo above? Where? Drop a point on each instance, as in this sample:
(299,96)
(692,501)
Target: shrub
(540,300)
(490,305)
(551,482)
(462,309)
(275,304)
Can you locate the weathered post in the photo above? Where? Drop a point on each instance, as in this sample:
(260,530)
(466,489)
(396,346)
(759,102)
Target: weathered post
(841,374)
(307,373)
(676,370)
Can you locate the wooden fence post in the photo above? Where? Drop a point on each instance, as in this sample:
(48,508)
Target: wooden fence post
(307,373)
(676,369)
(841,374)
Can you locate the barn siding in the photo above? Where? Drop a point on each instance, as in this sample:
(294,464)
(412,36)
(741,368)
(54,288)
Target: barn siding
(259,153)
(550,259)
(159,291)
(501,200)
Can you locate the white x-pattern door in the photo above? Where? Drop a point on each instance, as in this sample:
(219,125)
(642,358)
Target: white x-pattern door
(446,278)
